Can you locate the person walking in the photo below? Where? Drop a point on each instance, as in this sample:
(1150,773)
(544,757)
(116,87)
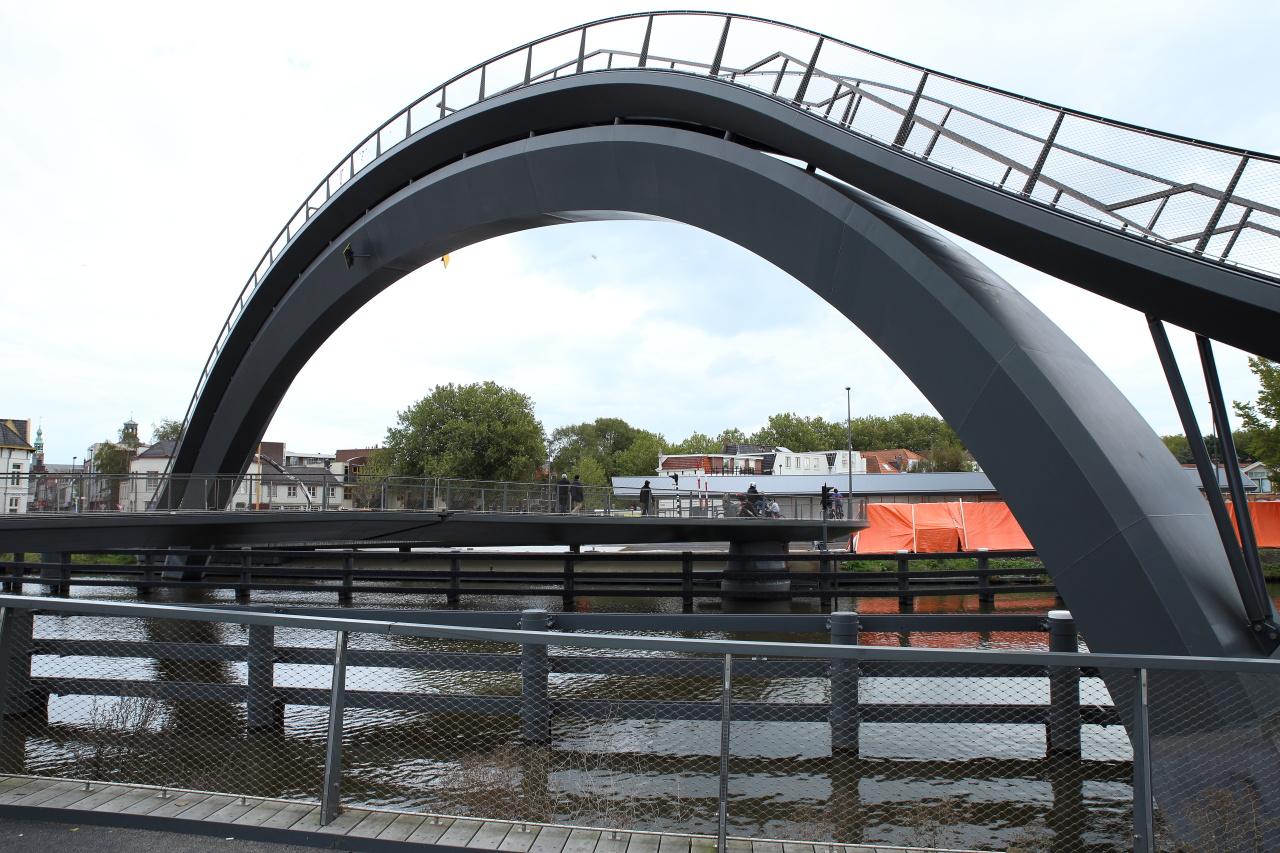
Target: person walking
(646,498)
(562,493)
(575,495)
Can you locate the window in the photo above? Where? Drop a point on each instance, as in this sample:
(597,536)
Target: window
(331,491)
(311,491)
(153,479)
(13,504)
(17,475)
(292,491)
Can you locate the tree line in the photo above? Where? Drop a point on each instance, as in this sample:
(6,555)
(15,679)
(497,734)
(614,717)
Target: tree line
(1259,440)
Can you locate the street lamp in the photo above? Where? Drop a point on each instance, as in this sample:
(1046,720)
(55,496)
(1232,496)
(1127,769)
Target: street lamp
(848,422)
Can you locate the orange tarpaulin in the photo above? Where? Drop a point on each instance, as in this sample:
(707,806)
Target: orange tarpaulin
(992,526)
(937,527)
(888,530)
(1266,522)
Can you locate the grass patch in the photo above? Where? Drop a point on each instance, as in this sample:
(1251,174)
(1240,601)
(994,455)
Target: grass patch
(927,564)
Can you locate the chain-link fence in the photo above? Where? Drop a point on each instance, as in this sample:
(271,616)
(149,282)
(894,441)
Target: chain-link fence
(822,743)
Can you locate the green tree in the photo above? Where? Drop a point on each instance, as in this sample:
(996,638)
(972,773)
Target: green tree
(696,443)
(592,473)
(1261,418)
(480,431)
(792,431)
(166,430)
(366,491)
(617,447)
(111,464)
(641,456)
(1179,447)
(947,457)
(1245,441)
(732,435)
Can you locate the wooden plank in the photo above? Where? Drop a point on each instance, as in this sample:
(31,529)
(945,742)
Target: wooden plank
(290,815)
(127,798)
(429,830)
(232,810)
(674,844)
(738,845)
(263,811)
(489,836)
(31,786)
(207,806)
(47,793)
(797,847)
(702,845)
(342,824)
(71,799)
(402,827)
(461,832)
(613,841)
(643,842)
(373,823)
(179,803)
(519,839)
(766,847)
(550,839)
(150,804)
(100,794)
(8,782)
(581,841)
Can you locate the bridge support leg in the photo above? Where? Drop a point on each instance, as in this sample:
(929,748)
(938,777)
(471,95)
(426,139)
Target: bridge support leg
(906,601)
(348,567)
(453,595)
(16,693)
(985,595)
(845,716)
(55,572)
(535,707)
(264,712)
(686,581)
(569,601)
(15,572)
(246,577)
(747,577)
(1063,731)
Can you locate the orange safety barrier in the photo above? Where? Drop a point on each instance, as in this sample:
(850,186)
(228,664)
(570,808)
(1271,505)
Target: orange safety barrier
(1266,522)
(889,529)
(938,527)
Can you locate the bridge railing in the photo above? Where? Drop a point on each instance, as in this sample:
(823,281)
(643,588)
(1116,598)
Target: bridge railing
(317,489)
(1218,203)
(815,741)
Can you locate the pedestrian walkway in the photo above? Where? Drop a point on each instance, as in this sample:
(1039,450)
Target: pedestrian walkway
(281,822)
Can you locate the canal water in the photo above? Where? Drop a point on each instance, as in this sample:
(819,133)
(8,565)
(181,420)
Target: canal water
(978,785)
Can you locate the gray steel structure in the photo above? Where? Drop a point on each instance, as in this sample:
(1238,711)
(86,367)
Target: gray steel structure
(1131,544)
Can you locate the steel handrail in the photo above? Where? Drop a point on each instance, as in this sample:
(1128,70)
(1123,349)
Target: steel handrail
(371,148)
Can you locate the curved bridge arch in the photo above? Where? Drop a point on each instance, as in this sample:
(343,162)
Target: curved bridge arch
(1123,517)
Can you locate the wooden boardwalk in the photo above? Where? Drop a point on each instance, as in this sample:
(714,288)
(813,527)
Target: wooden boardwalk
(354,829)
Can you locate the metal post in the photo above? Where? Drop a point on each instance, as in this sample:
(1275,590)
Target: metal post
(246,575)
(985,595)
(1034,175)
(726,714)
(535,710)
(808,74)
(332,792)
(824,581)
(1212,224)
(686,581)
(348,569)
(1062,734)
(724,37)
(17,627)
(908,120)
(263,709)
(452,596)
(1143,829)
(845,716)
(567,593)
(905,599)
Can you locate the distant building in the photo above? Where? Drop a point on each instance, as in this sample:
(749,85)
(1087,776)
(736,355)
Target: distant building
(147,469)
(1250,485)
(762,460)
(1262,476)
(16,457)
(896,461)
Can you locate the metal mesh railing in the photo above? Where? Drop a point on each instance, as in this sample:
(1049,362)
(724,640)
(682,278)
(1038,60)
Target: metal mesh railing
(845,743)
(1217,203)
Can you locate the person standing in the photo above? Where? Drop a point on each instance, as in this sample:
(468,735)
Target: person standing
(646,499)
(575,495)
(562,493)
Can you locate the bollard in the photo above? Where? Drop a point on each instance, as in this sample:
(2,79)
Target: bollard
(452,596)
(535,708)
(264,711)
(906,601)
(686,581)
(1063,730)
(348,567)
(985,595)
(845,716)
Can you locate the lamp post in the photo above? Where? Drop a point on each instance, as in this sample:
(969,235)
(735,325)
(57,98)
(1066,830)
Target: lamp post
(848,422)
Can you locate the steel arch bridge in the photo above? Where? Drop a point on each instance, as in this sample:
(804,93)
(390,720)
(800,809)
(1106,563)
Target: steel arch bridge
(822,157)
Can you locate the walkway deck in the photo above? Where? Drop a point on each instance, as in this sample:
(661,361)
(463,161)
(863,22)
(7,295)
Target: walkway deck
(41,798)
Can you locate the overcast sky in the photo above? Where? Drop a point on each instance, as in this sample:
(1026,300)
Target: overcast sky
(149,152)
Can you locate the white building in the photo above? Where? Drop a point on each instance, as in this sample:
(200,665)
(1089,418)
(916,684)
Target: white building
(1262,476)
(751,460)
(16,454)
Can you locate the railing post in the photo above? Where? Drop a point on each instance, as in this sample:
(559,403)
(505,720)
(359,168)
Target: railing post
(1063,729)
(11,583)
(147,586)
(905,600)
(1143,829)
(825,580)
(348,569)
(726,716)
(686,581)
(16,630)
(535,710)
(909,118)
(567,594)
(452,595)
(985,595)
(263,710)
(332,793)
(845,716)
(246,575)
